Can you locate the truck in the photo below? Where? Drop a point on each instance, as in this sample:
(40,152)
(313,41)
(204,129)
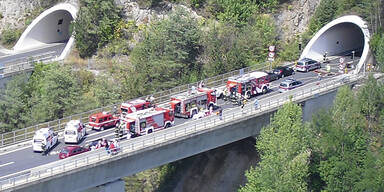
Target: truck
(103,120)
(145,122)
(189,103)
(44,140)
(245,86)
(135,105)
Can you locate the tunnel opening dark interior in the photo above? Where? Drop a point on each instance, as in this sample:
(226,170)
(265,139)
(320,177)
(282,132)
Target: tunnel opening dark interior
(344,39)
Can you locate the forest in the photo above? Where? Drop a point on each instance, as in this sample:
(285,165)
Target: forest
(340,150)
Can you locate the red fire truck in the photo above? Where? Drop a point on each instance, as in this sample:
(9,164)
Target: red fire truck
(135,105)
(145,122)
(103,120)
(247,85)
(189,103)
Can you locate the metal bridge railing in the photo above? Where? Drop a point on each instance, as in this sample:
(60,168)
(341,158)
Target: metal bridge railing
(25,134)
(26,63)
(178,132)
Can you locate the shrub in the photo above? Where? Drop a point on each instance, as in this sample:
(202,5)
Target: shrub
(10,36)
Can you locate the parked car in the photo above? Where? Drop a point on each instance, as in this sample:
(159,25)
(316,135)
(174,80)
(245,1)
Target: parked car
(307,64)
(272,76)
(283,71)
(289,84)
(72,150)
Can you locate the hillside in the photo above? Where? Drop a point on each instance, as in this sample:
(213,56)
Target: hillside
(144,46)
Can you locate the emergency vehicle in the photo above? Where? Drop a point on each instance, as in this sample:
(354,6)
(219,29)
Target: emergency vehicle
(190,103)
(145,122)
(74,131)
(103,120)
(135,105)
(44,137)
(247,85)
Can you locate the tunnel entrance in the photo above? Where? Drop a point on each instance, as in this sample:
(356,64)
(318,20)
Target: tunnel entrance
(50,29)
(345,36)
(339,40)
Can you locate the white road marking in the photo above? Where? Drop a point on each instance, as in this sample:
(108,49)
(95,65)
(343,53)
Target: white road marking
(61,137)
(9,163)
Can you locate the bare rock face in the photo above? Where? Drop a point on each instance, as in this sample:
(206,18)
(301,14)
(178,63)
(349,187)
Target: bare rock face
(14,12)
(294,17)
(132,11)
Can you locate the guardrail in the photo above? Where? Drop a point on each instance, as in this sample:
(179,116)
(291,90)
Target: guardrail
(22,135)
(27,63)
(172,134)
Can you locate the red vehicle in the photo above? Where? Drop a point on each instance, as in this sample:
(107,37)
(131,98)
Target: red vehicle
(103,120)
(247,85)
(145,122)
(72,150)
(190,103)
(135,105)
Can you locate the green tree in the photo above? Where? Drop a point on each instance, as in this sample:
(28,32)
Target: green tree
(373,174)
(371,102)
(95,25)
(342,143)
(233,11)
(380,53)
(56,95)
(13,104)
(105,91)
(324,14)
(167,55)
(227,47)
(285,148)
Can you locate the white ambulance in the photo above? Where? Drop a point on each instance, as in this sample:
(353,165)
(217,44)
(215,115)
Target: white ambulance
(44,137)
(74,131)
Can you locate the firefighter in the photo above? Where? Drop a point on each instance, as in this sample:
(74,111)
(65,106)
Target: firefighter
(243,103)
(325,57)
(44,147)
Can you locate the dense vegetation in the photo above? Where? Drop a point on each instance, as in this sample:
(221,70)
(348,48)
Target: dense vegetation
(51,92)
(340,150)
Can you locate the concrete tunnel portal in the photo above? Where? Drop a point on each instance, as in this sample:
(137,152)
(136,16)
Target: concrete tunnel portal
(50,27)
(340,37)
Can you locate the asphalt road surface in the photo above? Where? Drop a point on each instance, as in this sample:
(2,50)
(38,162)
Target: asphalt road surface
(18,161)
(54,48)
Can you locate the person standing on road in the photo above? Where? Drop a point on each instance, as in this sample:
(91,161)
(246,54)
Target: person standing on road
(107,146)
(256,103)
(243,103)
(221,113)
(44,148)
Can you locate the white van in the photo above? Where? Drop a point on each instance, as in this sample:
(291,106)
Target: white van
(46,137)
(74,131)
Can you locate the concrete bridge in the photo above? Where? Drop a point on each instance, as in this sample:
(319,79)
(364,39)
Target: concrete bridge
(97,171)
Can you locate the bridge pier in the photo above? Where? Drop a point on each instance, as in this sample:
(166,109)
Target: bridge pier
(114,186)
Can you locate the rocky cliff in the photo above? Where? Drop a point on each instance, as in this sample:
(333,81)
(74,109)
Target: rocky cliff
(293,17)
(14,12)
